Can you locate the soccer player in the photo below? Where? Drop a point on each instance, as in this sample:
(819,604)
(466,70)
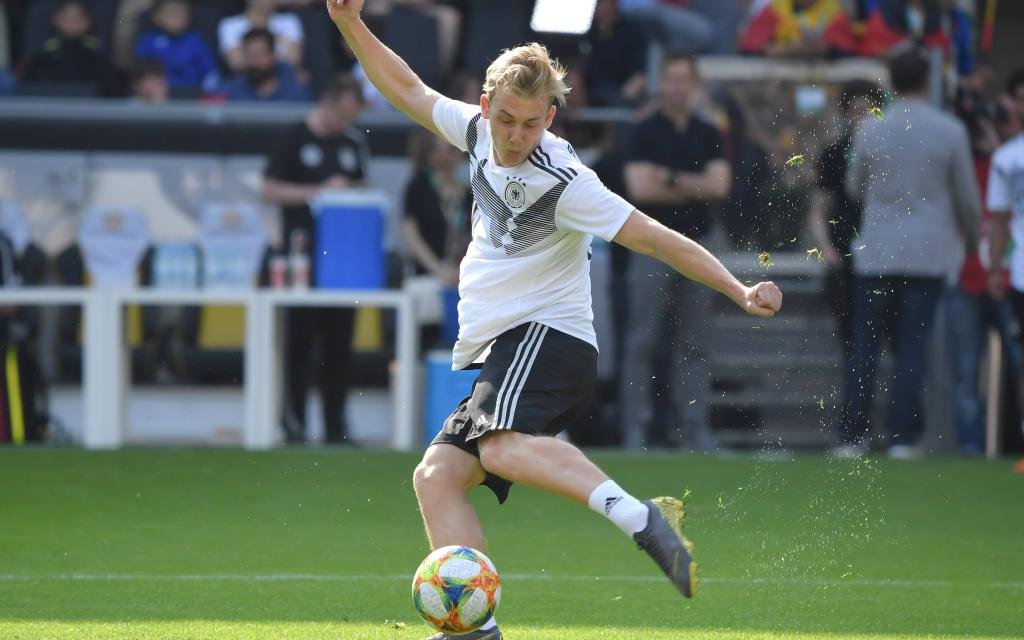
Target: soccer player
(525,316)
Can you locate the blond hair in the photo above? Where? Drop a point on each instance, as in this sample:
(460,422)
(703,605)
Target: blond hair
(528,71)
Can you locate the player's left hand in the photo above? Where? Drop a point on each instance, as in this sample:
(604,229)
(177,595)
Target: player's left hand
(764,300)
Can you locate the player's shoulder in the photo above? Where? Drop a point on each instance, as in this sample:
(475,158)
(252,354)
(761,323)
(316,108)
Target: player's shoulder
(556,156)
(463,121)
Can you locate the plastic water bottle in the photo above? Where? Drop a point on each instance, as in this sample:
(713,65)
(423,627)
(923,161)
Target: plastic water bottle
(298,260)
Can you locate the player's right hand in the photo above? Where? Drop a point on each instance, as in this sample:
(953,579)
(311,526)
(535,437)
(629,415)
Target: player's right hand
(762,300)
(340,10)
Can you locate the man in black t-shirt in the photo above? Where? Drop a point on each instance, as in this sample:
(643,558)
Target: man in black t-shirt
(73,61)
(834,218)
(321,153)
(674,172)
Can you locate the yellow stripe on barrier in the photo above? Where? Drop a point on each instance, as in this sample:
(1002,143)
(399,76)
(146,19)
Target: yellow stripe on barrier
(14,397)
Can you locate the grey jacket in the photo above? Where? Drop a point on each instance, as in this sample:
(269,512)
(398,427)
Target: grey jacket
(913,172)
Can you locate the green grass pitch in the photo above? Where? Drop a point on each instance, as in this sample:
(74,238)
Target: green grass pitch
(317,544)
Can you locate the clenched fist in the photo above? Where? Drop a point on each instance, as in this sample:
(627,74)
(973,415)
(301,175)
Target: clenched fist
(763,300)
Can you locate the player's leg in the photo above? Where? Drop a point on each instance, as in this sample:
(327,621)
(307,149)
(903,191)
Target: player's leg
(558,467)
(548,464)
(442,481)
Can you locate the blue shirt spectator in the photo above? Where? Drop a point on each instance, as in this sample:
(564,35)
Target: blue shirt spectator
(187,59)
(281,86)
(262,78)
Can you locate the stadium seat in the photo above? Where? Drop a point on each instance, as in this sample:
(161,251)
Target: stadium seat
(110,251)
(113,241)
(233,244)
(12,223)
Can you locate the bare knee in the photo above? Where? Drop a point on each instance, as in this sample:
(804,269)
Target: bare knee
(445,468)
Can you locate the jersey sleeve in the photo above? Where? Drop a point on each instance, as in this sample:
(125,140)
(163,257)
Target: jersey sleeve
(452,119)
(998,196)
(590,207)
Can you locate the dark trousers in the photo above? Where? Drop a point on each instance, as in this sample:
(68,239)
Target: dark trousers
(904,307)
(839,293)
(968,320)
(332,327)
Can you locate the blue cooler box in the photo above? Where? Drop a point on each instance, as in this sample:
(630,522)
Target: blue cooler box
(450,322)
(349,248)
(444,389)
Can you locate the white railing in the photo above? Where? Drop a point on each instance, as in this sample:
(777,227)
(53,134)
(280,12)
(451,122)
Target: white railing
(105,352)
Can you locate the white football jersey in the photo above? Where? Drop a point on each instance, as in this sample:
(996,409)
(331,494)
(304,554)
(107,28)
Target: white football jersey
(532,225)
(1006,193)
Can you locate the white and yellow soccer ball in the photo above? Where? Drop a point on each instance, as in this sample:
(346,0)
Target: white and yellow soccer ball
(456,589)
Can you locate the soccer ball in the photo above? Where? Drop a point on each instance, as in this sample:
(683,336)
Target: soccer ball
(456,589)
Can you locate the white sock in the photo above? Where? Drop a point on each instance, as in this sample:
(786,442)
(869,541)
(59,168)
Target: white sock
(490,624)
(628,513)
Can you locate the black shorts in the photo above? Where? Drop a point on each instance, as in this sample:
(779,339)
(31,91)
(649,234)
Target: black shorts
(536,380)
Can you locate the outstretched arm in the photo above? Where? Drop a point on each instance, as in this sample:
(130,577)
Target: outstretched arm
(644,235)
(389,73)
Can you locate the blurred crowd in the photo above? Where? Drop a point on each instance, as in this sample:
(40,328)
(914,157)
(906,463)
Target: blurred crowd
(285,50)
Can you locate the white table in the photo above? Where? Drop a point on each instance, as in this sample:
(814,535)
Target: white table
(106,354)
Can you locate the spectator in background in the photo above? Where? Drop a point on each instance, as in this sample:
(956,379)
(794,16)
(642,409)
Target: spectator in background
(742,214)
(262,78)
(437,209)
(912,170)
(895,21)
(688,26)
(794,28)
(834,218)
(674,172)
(126,30)
(436,224)
(448,17)
(73,59)
(286,30)
(1006,205)
(971,312)
(885,24)
(188,63)
(149,82)
(615,58)
(321,153)
(6,78)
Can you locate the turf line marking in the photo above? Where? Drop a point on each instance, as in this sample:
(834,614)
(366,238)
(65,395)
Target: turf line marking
(316,577)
